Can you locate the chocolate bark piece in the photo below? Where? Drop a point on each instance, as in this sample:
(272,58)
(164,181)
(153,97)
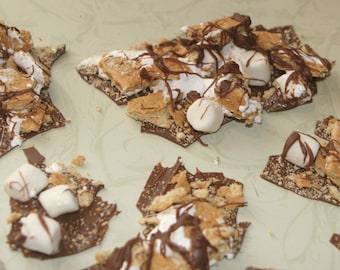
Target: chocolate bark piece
(26,108)
(335,240)
(179,207)
(306,183)
(82,229)
(195,61)
(176,134)
(320,178)
(161,181)
(157,184)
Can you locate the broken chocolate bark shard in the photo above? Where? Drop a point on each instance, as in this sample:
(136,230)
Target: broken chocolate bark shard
(33,156)
(157,184)
(26,108)
(308,184)
(273,71)
(180,207)
(81,229)
(318,176)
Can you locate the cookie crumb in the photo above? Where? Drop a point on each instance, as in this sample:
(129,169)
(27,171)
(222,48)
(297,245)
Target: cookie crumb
(78,160)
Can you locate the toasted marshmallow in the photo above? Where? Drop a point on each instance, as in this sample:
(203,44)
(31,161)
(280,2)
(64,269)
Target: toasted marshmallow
(58,200)
(42,234)
(205,115)
(25,183)
(301,149)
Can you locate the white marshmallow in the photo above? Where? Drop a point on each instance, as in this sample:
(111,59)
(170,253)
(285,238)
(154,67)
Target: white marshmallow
(205,115)
(25,183)
(294,88)
(169,217)
(301,149)
(42,233)
(252,64)
(58,200)
(25,61)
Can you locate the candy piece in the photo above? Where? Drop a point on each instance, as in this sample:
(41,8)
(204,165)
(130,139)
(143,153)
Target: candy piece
(26,106)
(315,180)
(293,85)
(190,222)
(66,192)
(253,65)
(250,57)
(58,200)
(25,183)
(300,149)
(42,233)
(205,115)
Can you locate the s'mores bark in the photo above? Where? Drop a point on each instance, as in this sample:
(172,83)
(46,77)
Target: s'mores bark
(212,73)
(55,211)
(190,222)
(26,108)
(308,167)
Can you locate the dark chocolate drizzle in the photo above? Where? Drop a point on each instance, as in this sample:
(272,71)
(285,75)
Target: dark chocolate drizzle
(122,254)
(197,257)
(290,61)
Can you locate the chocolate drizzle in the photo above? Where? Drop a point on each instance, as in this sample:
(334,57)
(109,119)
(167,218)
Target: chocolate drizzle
(285,52)
(191,218)
(122,255)
(197,257)
(24,190)
(287,58)
(45,226)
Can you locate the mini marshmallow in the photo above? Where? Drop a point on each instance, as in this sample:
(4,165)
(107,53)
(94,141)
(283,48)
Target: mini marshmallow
(301,149)
(25,183)
(58,200)
(292,88)
(254,66)
(42,234)
(205,115)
